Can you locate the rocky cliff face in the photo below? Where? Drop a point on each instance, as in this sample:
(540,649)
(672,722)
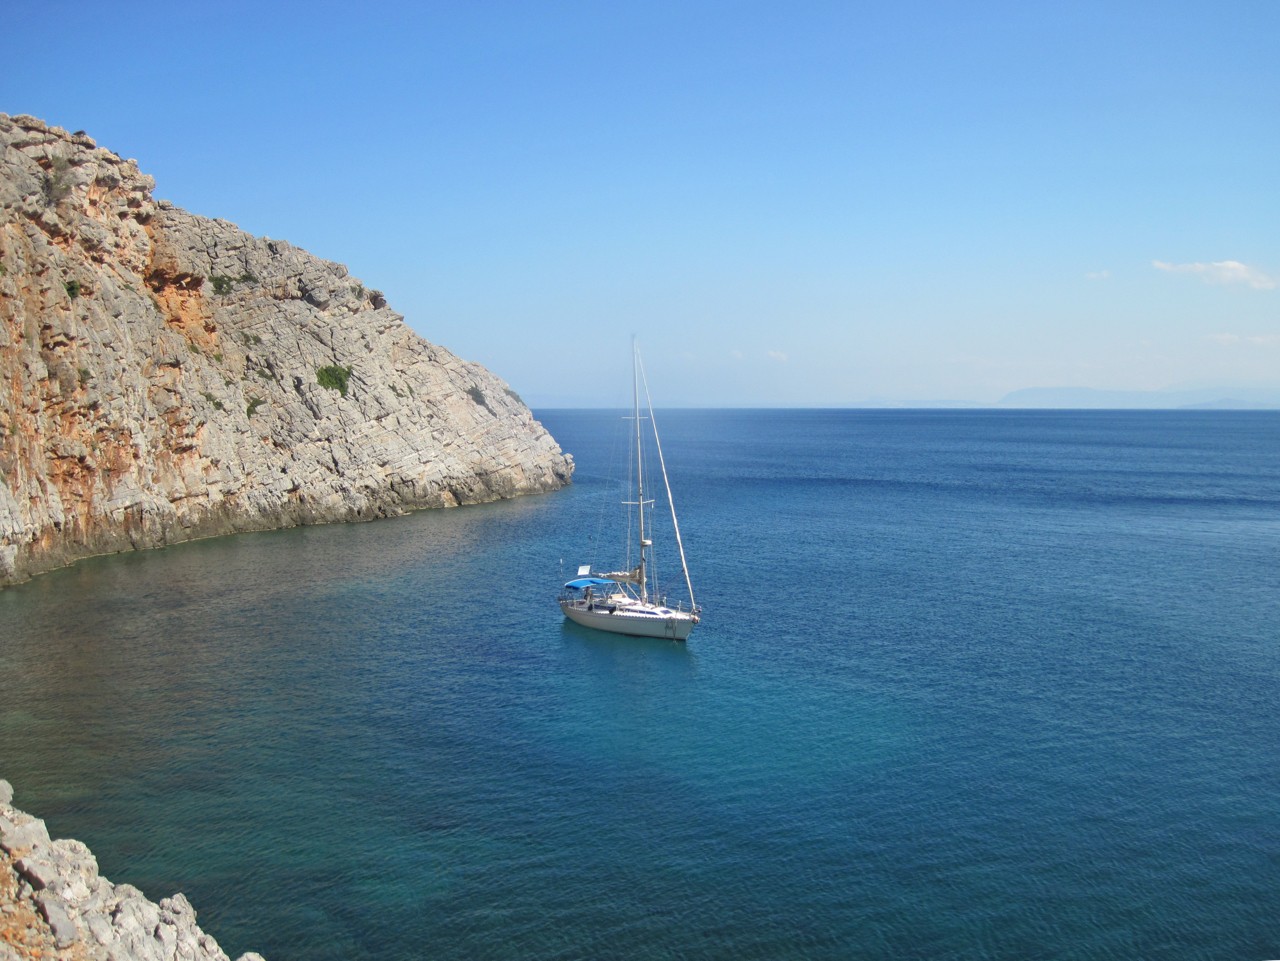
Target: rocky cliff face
(164,376)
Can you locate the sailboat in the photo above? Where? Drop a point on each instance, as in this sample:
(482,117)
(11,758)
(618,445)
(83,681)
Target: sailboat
(628,601)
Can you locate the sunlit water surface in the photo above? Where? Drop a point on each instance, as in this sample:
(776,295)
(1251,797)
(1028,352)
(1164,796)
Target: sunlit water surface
(969,685)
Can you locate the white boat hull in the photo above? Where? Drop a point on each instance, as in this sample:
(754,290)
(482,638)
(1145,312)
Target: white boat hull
(634,621)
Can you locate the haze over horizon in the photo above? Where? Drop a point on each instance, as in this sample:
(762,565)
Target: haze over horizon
(824,205)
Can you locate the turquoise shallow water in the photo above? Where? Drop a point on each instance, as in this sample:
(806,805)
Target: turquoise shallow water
(969,685)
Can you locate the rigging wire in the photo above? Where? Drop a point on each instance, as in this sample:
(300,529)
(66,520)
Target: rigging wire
(675,523)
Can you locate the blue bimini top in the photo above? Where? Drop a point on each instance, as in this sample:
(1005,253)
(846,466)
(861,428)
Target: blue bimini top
(582,583)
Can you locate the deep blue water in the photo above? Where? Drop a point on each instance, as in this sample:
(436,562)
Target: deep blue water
(969,685)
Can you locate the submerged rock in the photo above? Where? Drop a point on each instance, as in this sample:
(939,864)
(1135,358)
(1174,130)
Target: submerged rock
(164,376)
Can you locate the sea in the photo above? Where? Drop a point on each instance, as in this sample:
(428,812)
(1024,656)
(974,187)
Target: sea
(968,685)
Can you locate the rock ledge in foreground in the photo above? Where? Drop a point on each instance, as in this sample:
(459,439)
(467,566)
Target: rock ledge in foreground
(54,904)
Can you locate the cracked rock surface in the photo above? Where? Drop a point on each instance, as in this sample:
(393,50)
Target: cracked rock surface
(54,904)
(165,376)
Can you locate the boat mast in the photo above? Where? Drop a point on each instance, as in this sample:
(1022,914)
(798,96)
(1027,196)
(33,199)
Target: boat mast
(635,400)
(671,501)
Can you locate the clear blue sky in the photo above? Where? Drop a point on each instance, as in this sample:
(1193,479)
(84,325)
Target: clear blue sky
(819,203)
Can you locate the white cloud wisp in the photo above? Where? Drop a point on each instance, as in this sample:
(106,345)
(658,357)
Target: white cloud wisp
(1221,272)
(1254,340)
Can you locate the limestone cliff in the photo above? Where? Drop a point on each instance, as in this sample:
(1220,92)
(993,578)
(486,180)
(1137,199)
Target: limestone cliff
(165,376)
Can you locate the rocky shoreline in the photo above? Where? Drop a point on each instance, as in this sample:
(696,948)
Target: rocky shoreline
(54,904)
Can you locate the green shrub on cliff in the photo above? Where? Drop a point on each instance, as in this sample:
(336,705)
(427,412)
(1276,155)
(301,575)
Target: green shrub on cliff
(222,283)
(333,377)
(56,186)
